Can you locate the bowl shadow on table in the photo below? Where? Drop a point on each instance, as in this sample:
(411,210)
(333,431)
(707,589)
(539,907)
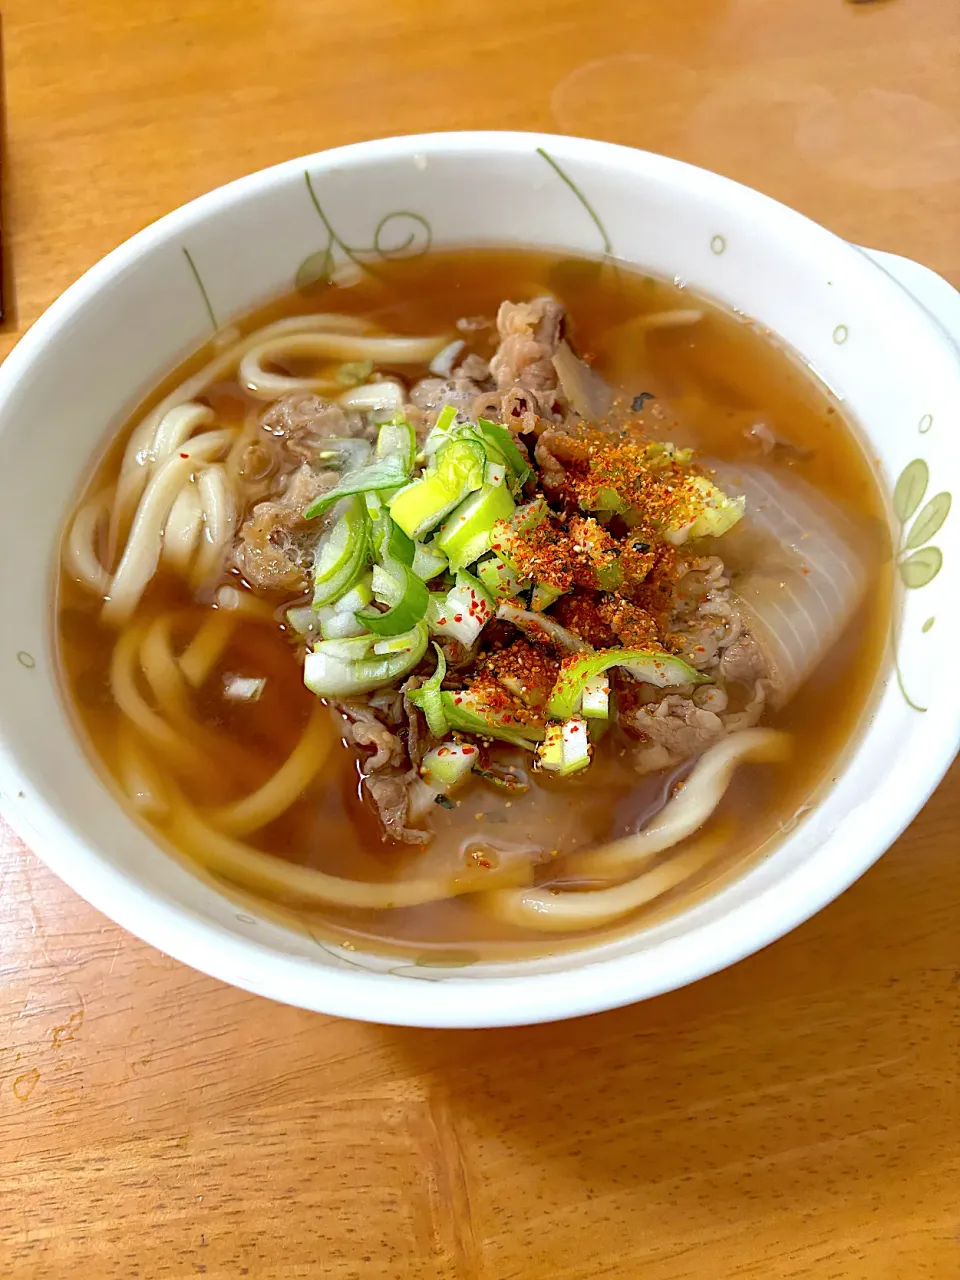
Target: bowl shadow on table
(827,1048)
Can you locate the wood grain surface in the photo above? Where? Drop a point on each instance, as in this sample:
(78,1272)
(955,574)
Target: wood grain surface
(796,1116)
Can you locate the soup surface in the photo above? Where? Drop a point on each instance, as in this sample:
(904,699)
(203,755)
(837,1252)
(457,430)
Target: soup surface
(715,619)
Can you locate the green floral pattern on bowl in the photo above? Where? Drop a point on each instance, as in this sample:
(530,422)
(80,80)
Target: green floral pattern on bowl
(918,563)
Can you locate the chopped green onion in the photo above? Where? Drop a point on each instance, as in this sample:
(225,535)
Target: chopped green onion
(469,529)
(442,430)
(660,669)
(342,555)
(428,699)
(341,626)
(244,688)
(455,472)
(508,534)
(386,473)
(463,612)
(391,644)
(396,446)
(305,621)
(607,500)
(345,453)
(428,560)
(374,504)
(467,712)
(346,668)
(565,748)
(447,766)
(501,438)
(717,513)
(544,596)
(595,701)
(500,581)
(397,438)
(420,506)
(392,543)
(407,607)
(357,597)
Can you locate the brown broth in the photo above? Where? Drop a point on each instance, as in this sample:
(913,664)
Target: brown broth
(711,381)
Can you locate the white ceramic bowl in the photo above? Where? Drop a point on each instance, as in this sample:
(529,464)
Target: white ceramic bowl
(119,329)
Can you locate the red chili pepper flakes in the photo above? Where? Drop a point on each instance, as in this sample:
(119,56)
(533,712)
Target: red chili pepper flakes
(184,455)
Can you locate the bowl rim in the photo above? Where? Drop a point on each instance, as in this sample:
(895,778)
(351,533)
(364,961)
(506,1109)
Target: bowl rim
(593,985)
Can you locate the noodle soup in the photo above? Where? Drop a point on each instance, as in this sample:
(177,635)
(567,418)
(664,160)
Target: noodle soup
(487,602)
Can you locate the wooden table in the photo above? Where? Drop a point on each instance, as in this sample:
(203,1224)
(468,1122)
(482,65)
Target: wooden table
(796,1116)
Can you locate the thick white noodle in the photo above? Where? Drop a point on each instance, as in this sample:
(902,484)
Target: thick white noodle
(124,666)
(691,806)
(213,635)
(289,782)
(181,533)
(80,557)
(178,425)
(154,440)
(244,865)
(141,555)
(678,319)
(162,671)
(557,911)
(260,382)
(139,776)
(219,502)
(222,366)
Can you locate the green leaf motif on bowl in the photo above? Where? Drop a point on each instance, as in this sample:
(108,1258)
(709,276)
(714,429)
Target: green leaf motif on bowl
(918,563)
(401,233)
(928,521)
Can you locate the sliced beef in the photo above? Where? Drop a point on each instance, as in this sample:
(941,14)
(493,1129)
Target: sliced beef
(529,334)
(430,395)
(705,619)
(457,654)
(751,713)
(275,546)
(419,738)
(364,729)
(388,780)
(522,368)
(677,725)
(389,790)
(388,704)
(475,368)
(303,421)
(677,728)
(521,410)
(742,661)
